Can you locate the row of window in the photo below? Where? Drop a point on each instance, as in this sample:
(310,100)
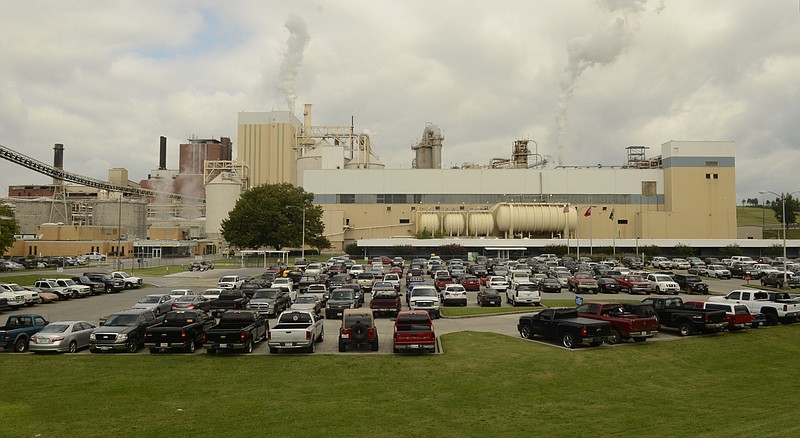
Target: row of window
(488,199)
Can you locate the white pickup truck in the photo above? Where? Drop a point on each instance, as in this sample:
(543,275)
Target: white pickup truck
(230,282)
(758,301)
(296,329)
(130,281)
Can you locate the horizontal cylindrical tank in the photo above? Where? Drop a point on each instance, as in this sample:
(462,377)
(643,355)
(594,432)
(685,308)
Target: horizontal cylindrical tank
(481,224)
(429,222)
(454,224)
(534,218)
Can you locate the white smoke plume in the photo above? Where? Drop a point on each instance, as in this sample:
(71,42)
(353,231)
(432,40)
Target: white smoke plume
(292,59)
(601,48)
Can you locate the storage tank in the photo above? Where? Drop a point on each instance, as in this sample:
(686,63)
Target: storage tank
(221,196)
(454,224)
(481,224)
(532,218)
(429,222)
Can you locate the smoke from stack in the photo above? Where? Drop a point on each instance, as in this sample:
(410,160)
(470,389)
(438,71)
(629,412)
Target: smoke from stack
(601,48)
(58,160)
(293,59)
(162,154)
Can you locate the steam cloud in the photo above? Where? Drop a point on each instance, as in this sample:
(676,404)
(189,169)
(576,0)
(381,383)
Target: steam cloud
(601,48)
(293,59)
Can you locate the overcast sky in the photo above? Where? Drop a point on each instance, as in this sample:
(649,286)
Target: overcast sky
(584,79)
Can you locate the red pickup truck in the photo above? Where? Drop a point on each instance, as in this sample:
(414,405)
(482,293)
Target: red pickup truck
(624,324)
(413,331)
(737,315)
(634,284)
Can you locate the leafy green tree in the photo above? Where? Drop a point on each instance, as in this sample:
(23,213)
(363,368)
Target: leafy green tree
(271,215)
(684,251)
(792,205)
(353,250)
(730,251)
(8,228)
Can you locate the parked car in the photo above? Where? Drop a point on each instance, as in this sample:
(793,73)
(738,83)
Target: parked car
(549,285)
(270,302)
(757,301)
(229,299)
(358,328)
(424,297)
(212,294)
(737,315)
(563,324)
(339,300)
(16,333)
(413,331)
(308,302)
(663,284)
(296,330)
(672,313)
(454,294)
(718,271)
(775,279)
(62,337)
(607,285)
(385,301)
(237,331)
(97,287)
(128,280)
(29,297)
(158,303)
(624,324)
(230,282)
(582,282)
(192,302)
(489,297)
(691,283)
(110,284)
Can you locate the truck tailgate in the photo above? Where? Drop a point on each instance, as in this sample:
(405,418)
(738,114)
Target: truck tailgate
(287,333)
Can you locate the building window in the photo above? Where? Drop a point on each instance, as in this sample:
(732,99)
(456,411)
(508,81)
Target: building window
(716,176)
(623,222)
(405,221)
(712,163)
(708,176)
(346,199)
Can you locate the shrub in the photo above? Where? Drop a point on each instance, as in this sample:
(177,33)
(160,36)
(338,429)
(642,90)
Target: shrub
(353,250)
(404,250)
(683,251)
(559,250)
(730,250)
(774,250)
(452,249)
(650,250)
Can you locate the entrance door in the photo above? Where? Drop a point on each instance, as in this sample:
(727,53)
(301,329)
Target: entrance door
(156,253)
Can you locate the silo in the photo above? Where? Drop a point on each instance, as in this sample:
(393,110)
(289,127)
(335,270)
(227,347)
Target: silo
(221,196)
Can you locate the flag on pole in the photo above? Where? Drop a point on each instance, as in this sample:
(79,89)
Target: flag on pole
(588,212)
(566,209)
(611,216)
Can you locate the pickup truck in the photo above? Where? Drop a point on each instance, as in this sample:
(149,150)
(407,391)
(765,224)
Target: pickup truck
(564,324)
(237,330)
(633,284)
(128,280)
(738,315)
(72,288)
(758,301)
(53,288)
(122,331)
(17,332)
(296,329)
(12,299)
(181,330)
(413,331)
(97,287)
(270,302)
(111,284)
(424,297)
(365,280)
(672,313)
(624,325)
(230,282)
(385,301)
(229,299)
(339,300)
(583,282)
(29,298)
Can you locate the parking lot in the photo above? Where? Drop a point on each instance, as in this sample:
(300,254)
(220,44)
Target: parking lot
(93,308)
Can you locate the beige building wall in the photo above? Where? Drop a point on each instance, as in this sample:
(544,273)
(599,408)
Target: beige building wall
(265,143)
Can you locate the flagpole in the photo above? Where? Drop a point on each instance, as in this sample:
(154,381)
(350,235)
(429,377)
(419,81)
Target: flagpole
(614,247)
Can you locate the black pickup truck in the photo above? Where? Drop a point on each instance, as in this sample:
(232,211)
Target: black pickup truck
(181,330)
(564,325)
(232,299)
(110,283)
(238,330)
(672,313)
(122,331)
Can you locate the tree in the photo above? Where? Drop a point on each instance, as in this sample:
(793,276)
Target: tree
(8,228)
(792,205)
(271,215)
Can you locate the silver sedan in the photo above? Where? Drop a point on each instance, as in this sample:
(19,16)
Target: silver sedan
(62,337)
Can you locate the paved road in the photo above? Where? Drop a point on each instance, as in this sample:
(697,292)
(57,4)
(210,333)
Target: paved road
(93,308)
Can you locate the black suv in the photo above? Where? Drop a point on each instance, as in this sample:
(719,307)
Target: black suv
(340,300)
(358,328)
(775,279)
(691,283)
(110,283)
(122,331)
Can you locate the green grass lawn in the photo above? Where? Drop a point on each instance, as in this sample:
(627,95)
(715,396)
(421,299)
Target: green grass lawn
(485,385)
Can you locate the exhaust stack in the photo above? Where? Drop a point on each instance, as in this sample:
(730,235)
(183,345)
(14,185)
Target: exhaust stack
(58,161)
(162,155)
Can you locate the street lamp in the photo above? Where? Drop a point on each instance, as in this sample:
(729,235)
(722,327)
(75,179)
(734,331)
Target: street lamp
(303,244)
(783,216)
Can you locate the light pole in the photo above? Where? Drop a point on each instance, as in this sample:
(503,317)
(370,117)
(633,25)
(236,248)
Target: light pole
(783,216)
(303,244)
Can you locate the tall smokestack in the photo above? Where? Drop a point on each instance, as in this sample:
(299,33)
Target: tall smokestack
(58,160)
(162,155)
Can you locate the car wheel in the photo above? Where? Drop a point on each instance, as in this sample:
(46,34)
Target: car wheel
(21,345)
(395,350)
(526,332)
(321,335)
(616,337)
(133,345)
(154,351)
(73,347)
(109,289)
(567,340)
(639,339)
(342,346)
(75,294)
(273,350)
(211,351)
(312,348)
(191,347)
(772,319)
(358,331)
(248,347)
(157,312)
(685,329)
(375,345)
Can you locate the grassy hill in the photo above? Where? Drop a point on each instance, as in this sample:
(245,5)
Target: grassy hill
(752,216)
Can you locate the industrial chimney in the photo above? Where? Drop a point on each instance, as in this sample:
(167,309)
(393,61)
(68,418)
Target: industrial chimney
(58,161)
(162,155)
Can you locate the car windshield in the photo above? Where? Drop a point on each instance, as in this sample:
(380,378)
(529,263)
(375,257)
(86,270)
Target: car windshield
(352,320)
(692,279)
(342,295)
(69,282)
(634,278)
(177,292)
(663,278)
(305,300)
(425,292)
(123,275)
(211,292)
(455,289)
(228,279)
(384,294)
(186,299)
(583,276)
(150,299)
(15,287)
(266,294)
(122,320)
(55,328)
